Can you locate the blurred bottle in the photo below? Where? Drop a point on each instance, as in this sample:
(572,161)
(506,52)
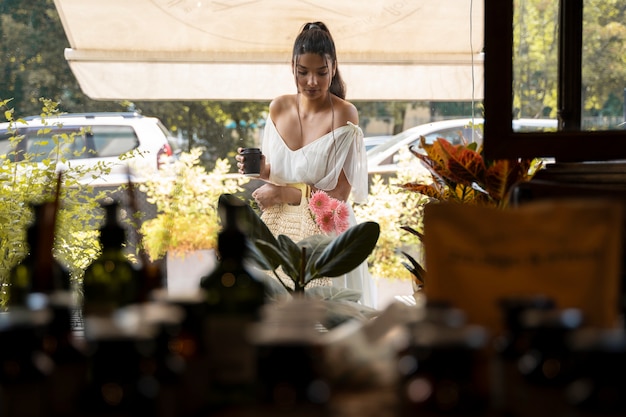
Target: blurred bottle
(514,340)
(64,345)
(188,344)
(39,272)
(532,360)
(24,368)
(234,298)
(443,368)
(122,378)
(111,280)
(151,273)
(291,356)
(40,286)
(600,362)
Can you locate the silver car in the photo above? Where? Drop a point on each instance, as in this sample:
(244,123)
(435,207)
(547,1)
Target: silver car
(383,159)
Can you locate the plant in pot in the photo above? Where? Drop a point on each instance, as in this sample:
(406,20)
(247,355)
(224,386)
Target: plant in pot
(184,230)
(461,174)
(314,257)
(31,176)
(391,206)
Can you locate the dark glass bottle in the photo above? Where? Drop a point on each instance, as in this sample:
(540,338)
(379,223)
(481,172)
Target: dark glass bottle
(111,280)
(63,343)
(187,343)
(24,368)
(40,286)
(234,297)
(38,272)
(441,368)
(121,378)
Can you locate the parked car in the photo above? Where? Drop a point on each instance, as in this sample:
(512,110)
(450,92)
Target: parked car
(383,159)
(99,138)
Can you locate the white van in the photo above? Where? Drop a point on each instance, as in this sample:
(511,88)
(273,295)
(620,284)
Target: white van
(125,142)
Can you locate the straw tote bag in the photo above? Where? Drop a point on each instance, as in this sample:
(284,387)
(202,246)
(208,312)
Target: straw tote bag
(295,222)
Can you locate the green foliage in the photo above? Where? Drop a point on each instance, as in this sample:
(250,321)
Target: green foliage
(604,61)
(206,125)
(76,238)
(392,207)
(32,63)
(536,55)
(313,257)
(319,256)
(340,305)
(186,198)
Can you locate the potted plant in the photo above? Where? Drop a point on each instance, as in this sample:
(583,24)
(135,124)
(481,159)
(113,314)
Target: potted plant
(391,206)
(460,173)
(311,258)
(184,230)
(28,178)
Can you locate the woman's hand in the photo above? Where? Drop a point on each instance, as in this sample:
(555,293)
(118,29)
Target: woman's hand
(241,164)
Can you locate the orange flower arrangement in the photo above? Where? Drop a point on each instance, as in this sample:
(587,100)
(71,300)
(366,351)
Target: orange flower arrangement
(461,174)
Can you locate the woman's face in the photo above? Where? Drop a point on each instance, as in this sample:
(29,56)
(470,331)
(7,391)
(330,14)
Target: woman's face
(313,75)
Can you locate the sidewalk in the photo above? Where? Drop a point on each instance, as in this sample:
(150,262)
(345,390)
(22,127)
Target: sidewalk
(387,289)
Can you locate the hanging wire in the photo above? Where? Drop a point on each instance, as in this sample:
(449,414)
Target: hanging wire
(471,32)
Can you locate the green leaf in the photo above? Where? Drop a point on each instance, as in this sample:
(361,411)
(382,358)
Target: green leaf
(348,250)
(413,232)
(252,224)
(314,246)
(415,268)
(261,259)
(272,255)
(292,257)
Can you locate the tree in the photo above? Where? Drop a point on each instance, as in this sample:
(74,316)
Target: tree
(536,49)
(34,67)
(216,127)
(604,61)
(535,58)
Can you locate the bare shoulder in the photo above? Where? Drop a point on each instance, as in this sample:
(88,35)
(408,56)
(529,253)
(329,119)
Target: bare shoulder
(280,105)
(345,111)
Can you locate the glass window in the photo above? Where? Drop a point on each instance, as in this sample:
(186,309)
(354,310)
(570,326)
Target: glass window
(536,55)
(551,59)
(113,140)
(603,64)
(535,59)
(94,142)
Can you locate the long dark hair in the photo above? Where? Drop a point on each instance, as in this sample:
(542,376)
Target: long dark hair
(315,38)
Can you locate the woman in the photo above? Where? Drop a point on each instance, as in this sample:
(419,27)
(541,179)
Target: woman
(312,137)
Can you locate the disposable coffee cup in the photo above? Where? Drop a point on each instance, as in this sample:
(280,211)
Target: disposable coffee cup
(251,162)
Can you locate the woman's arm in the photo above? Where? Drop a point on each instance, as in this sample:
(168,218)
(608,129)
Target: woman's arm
(341,191)
(270,194)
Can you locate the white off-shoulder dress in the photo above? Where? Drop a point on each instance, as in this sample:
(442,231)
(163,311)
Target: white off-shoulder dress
(319,164)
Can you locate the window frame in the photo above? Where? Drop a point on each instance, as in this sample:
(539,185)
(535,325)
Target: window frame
(568,143)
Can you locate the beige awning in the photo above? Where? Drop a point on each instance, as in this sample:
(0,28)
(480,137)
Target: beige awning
(241,49)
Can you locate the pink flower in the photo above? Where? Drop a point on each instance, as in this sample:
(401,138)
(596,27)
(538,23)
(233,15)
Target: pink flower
(325,222)
(330,214)
(341,218)
(319,202)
